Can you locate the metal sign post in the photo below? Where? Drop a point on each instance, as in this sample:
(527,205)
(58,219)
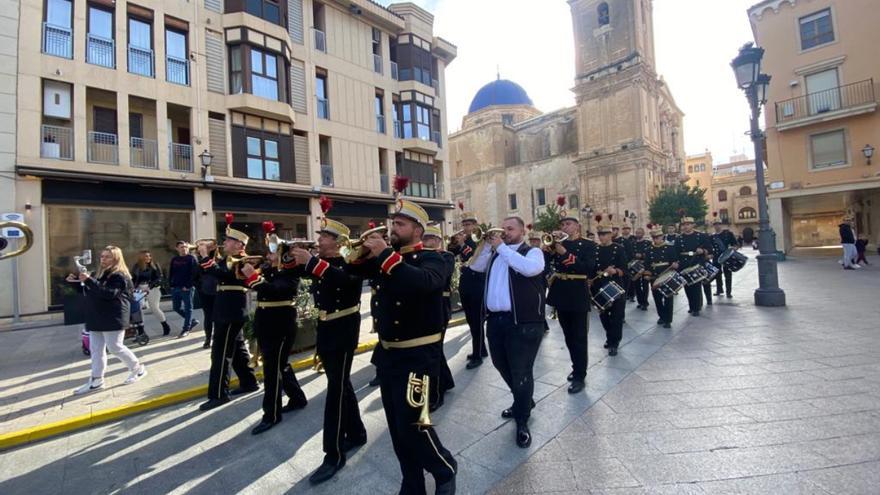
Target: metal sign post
(13,235)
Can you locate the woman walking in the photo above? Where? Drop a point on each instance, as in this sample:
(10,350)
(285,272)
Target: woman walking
(147,276)
(108,300)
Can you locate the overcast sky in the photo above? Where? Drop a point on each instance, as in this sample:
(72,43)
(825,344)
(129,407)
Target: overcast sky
(531,43)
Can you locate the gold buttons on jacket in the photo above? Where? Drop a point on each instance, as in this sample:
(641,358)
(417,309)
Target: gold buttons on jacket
(397,303)
(396,322)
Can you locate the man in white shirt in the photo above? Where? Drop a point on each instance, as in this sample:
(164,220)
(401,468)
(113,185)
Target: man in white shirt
(514,311)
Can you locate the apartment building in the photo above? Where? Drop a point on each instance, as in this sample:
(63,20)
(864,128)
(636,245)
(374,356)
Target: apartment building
(142,123)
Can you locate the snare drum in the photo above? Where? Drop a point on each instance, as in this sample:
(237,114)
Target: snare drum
(732,259)
(669,283)
(635,268)
(694,274)
(605,297)
(711,271)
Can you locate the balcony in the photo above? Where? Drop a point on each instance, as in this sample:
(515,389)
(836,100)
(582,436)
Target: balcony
(394,74)
(377,63)
(323,108)
(140,60)
(435,136)
(144,153)
(320,40)
(102,147)
(327,175)
(56,142)
(57,41)
(843,101)
(177,70)
(100,51)
(180,158)
(380,124)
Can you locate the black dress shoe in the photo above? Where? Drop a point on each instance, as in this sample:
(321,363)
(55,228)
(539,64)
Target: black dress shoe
(213,403)
(606,345)
(612,351)
(729,296)
(718,294)
(325,472)
(349,444)
(294,405)
(206,345)
(474,363)
(262,427)
(666,324)
(508,413)
(660,321)
(375,381)
(446,488)
(570,376)
(523,436)
(244,390)
(576,386)
(695,313)
(708,303)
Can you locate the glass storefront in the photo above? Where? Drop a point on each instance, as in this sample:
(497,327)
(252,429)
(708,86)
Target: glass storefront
(73,229)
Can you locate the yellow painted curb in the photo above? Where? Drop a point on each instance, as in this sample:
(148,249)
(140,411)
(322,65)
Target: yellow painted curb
(39,432)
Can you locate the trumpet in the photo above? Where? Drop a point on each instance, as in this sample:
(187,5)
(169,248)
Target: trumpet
(449,238)
(355,249)
(550,240)
(234,263)
(420,387)
(277,244)
(210,242)
(28,238)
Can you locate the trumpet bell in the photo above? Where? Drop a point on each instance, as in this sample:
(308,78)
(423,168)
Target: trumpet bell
(28,238)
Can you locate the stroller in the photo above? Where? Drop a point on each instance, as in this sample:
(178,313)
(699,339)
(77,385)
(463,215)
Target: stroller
(135,330)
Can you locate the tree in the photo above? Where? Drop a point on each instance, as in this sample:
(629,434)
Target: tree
(672,203)
(548,219)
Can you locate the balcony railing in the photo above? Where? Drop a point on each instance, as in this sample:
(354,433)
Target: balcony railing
(177,70)
(436,85)
(57,41)
(435,136)
(383,183)
(398,129)
(394,74)
(102,147)
(101,51)
(320,40)
(144,153)
(323,108)
(180,157)
(830,100)
(56,142)
(327,175)
(140,60)
(377,63)
(380,124)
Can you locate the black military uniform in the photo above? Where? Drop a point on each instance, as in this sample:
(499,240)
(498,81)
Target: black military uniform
(641,285)
(446,382)
(569,295)
(629,244)
(275,328)
(471,285)
(658,258)
(228,348)
(612,255)
(720,242)
(337,296)
(686,245)
(671,239)
(409,312)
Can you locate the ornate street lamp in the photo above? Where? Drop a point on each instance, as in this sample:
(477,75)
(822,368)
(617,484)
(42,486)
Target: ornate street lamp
(747,69)
(868,151)
(206,157)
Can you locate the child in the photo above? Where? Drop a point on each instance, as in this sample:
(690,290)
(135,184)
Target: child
(861,247)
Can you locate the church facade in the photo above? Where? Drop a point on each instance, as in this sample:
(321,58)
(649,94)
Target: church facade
(616,148)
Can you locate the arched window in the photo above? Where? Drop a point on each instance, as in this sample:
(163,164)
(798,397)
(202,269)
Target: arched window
(722,213)
(690,169)
(604,16)
(574,202)
(745,191)
(722,195)
(747,213)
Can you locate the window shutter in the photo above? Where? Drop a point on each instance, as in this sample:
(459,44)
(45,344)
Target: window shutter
(301,159)
(214,5)
(295,20)
(298,86)
(215,58)
(217,142)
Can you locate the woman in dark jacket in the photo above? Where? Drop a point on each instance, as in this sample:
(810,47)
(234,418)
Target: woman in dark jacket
(108,308)
(147,276)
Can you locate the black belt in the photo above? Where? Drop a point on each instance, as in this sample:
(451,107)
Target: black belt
(498,313)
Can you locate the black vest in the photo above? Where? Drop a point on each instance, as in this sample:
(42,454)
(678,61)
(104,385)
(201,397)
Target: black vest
(527,295)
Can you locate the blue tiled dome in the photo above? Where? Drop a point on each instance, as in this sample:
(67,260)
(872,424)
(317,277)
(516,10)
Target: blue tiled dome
(499,92)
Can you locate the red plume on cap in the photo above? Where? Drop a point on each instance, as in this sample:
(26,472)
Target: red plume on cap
(529,226)
(681,212)
(326,204)
(560,200)
(400,183)
(371,224)
(268,226)
(229,218)
(598,218)
(461,205)
(650,226)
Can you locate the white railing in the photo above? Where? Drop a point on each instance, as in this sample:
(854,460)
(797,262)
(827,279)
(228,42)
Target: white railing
(56,142)
(435,136)
(377,63)
(320,40)
(323,108)
(380,124)
(177,70)
(144,153)
(180,157)
(394,74)
(140,60)
(57,40)
(102,147)
(101,51)
(327,175)
(398,129)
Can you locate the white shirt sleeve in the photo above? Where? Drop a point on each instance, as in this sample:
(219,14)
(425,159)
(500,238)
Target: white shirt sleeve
(529,265)
(481,264)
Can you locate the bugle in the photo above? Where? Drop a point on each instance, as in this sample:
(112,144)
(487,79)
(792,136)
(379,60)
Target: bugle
(417,393)
(550,240)
(234,263)
(355,249)
(28,238)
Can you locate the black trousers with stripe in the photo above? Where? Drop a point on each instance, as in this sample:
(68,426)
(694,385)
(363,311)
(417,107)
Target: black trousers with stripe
(342,417)
(228,350)
(278,376)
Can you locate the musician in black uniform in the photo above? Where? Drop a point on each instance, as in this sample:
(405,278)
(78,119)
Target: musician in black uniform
(671,234)
(409,319)
(710,257)
(659,257)
(276,284)
(641,284)
(723,239)
(470,289)
(692,247)
(574,262)
(433,240)
(337,296)
(628,242)
(230,313)
(611,262)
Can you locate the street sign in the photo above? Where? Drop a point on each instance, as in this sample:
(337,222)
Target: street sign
(9,232)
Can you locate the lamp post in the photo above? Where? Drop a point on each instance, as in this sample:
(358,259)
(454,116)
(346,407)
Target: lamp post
(868,151)
(747,68)
(206,157)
